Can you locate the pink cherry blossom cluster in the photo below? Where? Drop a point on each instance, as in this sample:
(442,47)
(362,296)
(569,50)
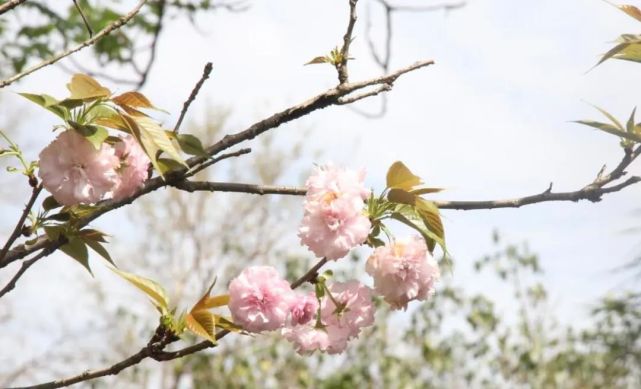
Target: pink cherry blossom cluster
(260,300)
(334,220)
(75,172)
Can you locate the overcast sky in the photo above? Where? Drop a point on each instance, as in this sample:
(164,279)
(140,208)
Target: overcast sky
(492,119)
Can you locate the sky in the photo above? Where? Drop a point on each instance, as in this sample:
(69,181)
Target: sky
(491,119)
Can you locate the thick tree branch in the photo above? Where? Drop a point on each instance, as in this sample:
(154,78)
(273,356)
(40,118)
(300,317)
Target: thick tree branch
(104,32)
(18,228)
(592,192)
(9,5)
(161,338)
(194,186)
(154,349)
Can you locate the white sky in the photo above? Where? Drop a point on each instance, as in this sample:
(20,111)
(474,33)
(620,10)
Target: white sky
(490,120)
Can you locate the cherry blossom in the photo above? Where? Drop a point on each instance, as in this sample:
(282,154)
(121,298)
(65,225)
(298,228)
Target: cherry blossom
(303,308)
(334,221)
(259,299)
(133,170)
(74,172)
(403,271)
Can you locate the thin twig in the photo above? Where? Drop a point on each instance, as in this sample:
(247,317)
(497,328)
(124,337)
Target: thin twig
(590,193)
(192,95)
(84,18)
(104,32)
(341,67)
(23,268)
(154,44)
(9,5)
(216,160)
(18,228)
(373,92)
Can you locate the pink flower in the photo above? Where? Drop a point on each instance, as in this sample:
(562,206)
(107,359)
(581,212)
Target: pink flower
(338,325)
(355,308)
(403,271)
(307,339)
(331,180)
(74,172)
(259,299)
(303,308)
(134,165)
(334,220)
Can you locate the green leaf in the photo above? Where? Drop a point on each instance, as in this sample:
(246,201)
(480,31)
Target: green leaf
(53,232)
(107,116)
(89,234)
(153,139)
(50,203)
(71,103)
(94,134)
(399,176)
(191,145)
(77,249)
(630,124)
(423,191)
(631,52)
(401,196)
(610,117)
(432,217)
(100,250)
(167,165)
(610,130)
(227,324)
(412,218)
(49,103)
(150,288)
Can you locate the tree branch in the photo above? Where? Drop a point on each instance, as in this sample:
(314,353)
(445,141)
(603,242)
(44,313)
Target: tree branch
(9,5)
(194,186)
(192,95)
(104,32)
(592,192)
(154,44)
(18,228)
(341,67)
(23,268)
(158,342)
(323,100)
(84,18)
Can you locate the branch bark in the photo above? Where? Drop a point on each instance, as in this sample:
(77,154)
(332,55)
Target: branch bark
(104,32)
(9,5)
(18,228)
